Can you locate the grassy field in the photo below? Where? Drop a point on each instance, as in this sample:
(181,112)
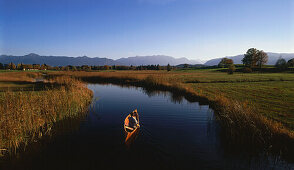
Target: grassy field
(269,94)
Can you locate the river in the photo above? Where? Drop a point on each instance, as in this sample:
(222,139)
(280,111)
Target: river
(175,134)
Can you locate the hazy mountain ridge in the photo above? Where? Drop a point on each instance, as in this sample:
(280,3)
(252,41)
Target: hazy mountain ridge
(135,61)
(56,60)
(78,61)
(272,58)
(154,60)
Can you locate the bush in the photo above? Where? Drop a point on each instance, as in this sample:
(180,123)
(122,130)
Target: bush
(281,64)
(290,62)
(247,70)
(231,69)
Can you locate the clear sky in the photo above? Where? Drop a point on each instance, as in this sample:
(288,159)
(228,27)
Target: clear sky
(196,29)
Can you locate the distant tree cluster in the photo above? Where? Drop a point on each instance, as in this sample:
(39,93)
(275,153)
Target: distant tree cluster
(258,58)
(12,66)
(281,63)
(255,58)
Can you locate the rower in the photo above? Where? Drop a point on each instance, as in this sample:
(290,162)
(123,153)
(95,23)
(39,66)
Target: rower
(132,120)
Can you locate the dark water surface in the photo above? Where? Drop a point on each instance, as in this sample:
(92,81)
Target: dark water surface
(174,134)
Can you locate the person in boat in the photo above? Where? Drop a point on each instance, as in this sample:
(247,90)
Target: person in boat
(135,112)
(133,122)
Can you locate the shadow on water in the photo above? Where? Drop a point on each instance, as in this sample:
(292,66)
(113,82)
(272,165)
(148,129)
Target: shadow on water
(177,132)
(27,155)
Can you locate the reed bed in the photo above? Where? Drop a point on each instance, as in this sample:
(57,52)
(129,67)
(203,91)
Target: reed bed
(19,76)
(26,116)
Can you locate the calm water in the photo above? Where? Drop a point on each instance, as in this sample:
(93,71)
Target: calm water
(174,134)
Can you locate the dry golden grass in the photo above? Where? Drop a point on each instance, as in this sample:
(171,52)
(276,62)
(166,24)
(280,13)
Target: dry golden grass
(27,115)
(243,123)
(19,76)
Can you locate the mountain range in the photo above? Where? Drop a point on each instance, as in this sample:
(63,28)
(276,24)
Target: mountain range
(154,60)
(79,61)
(272,58)
(135,61)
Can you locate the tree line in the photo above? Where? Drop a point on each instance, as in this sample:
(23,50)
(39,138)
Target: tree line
(255,59)
(12,66)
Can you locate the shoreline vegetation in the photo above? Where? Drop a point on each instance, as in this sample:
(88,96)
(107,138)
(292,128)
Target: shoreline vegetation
(27,113)
(243,120)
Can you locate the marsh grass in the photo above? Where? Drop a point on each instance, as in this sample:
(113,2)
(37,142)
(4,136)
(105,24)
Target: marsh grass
(28,115)
(19,76)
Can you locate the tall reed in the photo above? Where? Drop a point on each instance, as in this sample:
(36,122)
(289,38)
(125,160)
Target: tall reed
(25,116)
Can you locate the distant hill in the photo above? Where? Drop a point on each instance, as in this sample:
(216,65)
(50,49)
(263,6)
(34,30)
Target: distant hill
(272,58)
(56,60)
(78,61)
(135,61)
(154,60)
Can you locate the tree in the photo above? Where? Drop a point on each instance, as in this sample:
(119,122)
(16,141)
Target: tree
(261,58)
(106,67)
(67,68)
(86,67)
(290,62)
(29,66)
(11,66)
(48,67)
(74,68)
(168,67)
(254,57)
(231,69)
(250,58)
(157,67)
(36,66)
(186,65)
(43,67)
(56,68)
(281,64)
(225,62)
(1,66)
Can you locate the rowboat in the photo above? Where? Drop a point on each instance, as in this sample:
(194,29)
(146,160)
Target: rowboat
(131,132)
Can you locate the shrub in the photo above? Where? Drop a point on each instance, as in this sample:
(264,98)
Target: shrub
(281,64)
(231,69)
(290,62)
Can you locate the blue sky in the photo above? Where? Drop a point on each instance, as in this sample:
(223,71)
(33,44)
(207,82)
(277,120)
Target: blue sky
(196,29)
